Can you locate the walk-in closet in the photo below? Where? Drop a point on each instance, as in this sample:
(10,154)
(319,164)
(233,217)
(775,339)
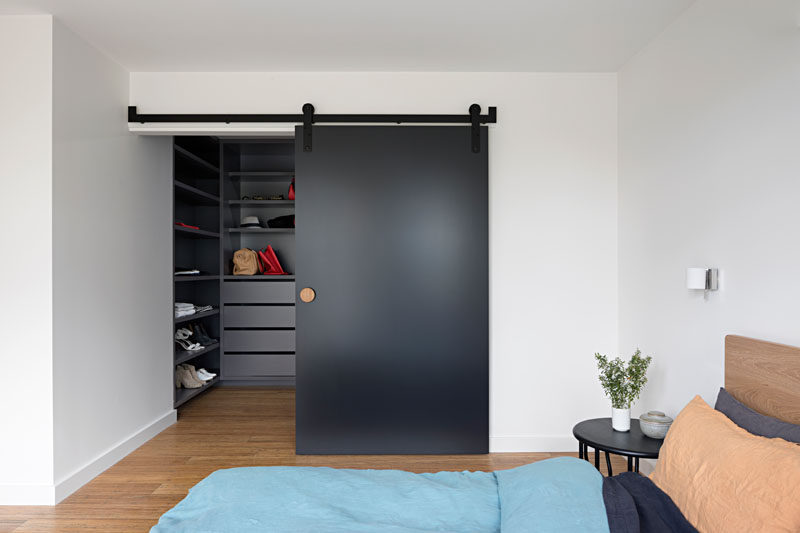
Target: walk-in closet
(232,194)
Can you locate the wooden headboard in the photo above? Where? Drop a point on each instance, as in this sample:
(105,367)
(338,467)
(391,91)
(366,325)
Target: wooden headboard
(764,376)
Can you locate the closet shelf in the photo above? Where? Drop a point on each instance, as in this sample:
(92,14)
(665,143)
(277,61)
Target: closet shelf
(195,277)
(266,203)
(195,316)
(186,154)
(261,230)
(193,195)
(259,277)
(262,176)
(196,233)
(185,355)
(184,395)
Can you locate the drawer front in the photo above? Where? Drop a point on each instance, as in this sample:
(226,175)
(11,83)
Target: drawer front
(259,316)
(258,292)
(254,366)
(245,340)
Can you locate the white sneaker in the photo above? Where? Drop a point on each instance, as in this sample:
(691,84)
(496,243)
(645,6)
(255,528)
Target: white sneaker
(205,375)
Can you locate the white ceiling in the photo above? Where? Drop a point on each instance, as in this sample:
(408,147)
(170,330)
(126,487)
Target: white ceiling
(363,35)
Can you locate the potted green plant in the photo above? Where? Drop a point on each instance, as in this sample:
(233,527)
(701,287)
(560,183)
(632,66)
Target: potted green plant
(623,383)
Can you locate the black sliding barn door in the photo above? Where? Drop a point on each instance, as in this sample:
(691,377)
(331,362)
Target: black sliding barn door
(392,235)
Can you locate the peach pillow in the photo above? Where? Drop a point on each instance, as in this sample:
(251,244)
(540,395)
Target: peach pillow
(723,478)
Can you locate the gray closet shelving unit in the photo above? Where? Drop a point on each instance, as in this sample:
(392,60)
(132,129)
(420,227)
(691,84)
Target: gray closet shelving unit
(258,311)
(253,316)
(196,202)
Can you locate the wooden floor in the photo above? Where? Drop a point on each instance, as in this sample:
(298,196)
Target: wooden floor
(223,428)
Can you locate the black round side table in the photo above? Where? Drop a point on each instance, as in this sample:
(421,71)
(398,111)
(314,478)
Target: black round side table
(598,434)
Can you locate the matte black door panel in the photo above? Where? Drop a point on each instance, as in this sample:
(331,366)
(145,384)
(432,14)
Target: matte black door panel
(392,234)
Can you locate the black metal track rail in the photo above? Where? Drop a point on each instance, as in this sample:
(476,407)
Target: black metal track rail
(308,117)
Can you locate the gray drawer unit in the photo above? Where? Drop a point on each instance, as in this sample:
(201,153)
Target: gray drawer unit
(259,340)
(258,306)
(255,366)
(258,292)
(259,316)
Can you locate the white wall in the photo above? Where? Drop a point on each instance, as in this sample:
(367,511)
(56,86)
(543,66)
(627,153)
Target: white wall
(26,326)
(112,259)
(710,176)
(86,284)
(553,213)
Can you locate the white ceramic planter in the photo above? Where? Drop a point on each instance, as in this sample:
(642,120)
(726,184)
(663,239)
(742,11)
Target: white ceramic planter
(621,419)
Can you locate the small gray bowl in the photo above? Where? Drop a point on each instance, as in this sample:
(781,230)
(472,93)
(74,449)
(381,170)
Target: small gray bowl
(655,424)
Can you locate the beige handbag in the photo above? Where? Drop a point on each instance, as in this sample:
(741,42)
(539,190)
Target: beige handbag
(245,262)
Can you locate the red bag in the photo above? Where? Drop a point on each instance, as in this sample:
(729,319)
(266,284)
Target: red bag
(262,265)
(271,265)
(291,190)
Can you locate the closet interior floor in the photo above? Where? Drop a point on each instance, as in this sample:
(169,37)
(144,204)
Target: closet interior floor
(224,428)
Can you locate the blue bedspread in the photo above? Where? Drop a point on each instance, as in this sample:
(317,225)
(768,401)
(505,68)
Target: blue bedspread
(563,495)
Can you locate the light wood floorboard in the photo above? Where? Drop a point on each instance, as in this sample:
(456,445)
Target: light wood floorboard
(223,428)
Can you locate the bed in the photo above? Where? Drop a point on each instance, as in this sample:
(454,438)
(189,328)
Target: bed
(563,494)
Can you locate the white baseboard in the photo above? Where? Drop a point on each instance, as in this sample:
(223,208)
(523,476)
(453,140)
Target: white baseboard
(72,482)
(19,494)
(532,443)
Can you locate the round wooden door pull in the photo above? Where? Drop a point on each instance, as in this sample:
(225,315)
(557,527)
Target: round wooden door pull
(307,294)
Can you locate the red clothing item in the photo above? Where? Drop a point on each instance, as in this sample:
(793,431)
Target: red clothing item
(181,224)
(269,261)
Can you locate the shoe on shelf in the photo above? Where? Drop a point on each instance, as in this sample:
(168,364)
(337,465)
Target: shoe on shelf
(183,337)
(186,378)
(198,335)
(193,373)
(193,336)
(183,334)
(188,346)
(183,344)
(205,335)
(205,375)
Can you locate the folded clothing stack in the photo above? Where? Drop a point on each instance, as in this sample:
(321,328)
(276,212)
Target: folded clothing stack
(184,309)
(186,271)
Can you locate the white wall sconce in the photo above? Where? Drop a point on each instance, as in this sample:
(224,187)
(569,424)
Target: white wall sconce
(702,279)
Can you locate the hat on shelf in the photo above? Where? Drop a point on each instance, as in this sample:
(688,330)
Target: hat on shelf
(250,222)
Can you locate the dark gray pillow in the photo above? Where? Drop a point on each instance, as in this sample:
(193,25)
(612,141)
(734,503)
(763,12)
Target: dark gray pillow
(755,422)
